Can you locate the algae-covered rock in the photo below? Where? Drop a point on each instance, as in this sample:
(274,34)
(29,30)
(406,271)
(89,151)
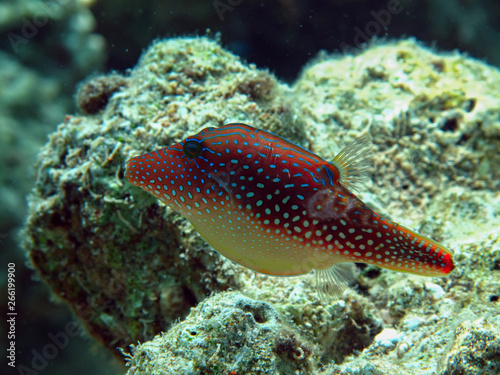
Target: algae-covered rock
(230,332)
(129,266)
(64,34)
(226,333)
(476,349)
(47,47)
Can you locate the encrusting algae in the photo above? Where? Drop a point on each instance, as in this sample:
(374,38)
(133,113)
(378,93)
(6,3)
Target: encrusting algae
(277,208)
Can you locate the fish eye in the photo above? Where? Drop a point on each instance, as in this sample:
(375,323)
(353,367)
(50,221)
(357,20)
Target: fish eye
(192,148)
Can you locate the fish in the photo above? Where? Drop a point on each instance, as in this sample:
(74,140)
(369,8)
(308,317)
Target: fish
(278,209)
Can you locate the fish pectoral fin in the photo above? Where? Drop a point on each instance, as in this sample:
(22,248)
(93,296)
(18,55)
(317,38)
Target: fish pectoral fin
(353,163)
(222,181)
(332,282)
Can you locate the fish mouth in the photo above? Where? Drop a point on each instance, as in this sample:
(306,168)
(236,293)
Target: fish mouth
(129,174)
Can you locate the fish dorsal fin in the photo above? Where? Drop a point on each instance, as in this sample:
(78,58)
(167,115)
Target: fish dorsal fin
(353,162)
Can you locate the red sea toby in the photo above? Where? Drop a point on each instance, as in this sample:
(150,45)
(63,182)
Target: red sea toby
(276,208)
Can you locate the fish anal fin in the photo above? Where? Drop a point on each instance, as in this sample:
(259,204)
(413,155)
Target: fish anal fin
(331,282)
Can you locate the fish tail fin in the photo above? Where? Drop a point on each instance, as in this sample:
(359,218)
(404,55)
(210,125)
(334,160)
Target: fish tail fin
(431,257)
(404,250)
